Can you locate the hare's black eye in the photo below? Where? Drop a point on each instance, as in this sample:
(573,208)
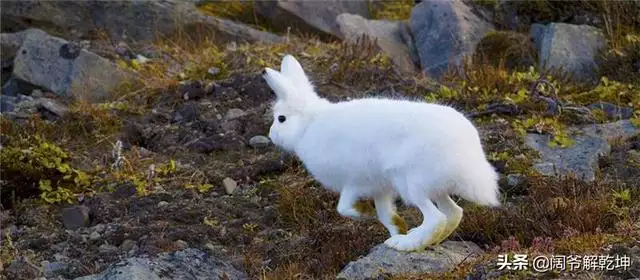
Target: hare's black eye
(282,118)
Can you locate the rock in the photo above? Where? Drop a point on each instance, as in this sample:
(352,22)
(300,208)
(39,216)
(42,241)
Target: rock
(212,143)
(163,203)
(14,87)
(22,269)
(230,185)
(569,48)
(94,236)
(124,190)
(75,217)
(7,103)
(58,66)
(52,269)
(188,113)
(259,142)
(514,180)
(191,90)
(185,264)
(107,249)
(612,110)
(228,126)
(36,93)
(53,106)
(127,245)
(444,32)
(310,16)
(580,159)
(181,244)
(393,38)
(128,21)
(234,113)
(384,261)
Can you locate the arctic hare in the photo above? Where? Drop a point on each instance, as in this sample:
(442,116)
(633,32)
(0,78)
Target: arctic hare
(380,149)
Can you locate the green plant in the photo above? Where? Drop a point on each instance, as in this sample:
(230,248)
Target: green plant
(36,166)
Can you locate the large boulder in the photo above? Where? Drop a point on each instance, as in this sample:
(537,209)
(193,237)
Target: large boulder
(580,159)
(310,16)
(444,32)
(134,21)
(392,37)
(63,67)
(384,261)
(569,48)
(180,265)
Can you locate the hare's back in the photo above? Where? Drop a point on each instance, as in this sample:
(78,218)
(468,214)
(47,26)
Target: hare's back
(368,136)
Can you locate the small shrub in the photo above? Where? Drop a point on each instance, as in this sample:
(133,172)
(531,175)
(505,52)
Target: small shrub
(512,50)
(33,166)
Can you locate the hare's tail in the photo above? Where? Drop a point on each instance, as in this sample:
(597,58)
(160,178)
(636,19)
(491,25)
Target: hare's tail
(479,185)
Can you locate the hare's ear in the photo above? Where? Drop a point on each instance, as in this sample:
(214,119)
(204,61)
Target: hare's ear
(280,84)
(291,68)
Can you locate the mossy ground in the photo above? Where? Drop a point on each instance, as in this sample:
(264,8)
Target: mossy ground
(283,225)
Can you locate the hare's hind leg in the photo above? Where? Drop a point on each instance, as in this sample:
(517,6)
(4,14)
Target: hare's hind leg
(387,215)
(453,213)
(433,221)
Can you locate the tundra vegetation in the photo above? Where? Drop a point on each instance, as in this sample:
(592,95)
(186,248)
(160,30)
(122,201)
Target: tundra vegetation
(166,159)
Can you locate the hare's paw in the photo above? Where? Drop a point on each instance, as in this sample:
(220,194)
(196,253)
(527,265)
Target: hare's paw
(416,239)
(406,242)
(350,213)
(445,231)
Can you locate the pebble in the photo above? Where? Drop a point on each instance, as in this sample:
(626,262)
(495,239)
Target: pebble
(94,236)
(106,248)
(75,217)
(234,113)
(163,203)
(127,245)
(259,142)
(514,180)
(230,185)
(181,244)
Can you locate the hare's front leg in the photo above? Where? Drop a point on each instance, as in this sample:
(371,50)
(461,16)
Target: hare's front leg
(387,215)
(346,203)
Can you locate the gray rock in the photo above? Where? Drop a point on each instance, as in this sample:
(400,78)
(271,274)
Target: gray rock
(181,265)
(580,159)
(569,48)
(7,103)
(21,268)
(53,106)
(51,269)
(127,245)
(514,180)
(392,37)
(230,185)
(94,236)
(310,16)
(134,21)
(444,32)
(385,261)
(75,217)
(107,249)
(62,68)
(181,244)
(612,110)
(124,190)
(259,142)
(234,113)
(191,90)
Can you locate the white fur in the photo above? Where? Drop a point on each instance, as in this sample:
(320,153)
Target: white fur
(382,148)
